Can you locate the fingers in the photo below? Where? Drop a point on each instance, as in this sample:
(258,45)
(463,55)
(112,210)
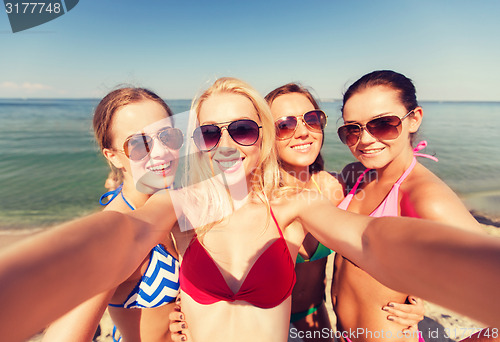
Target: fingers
(411,329)
(177,331)
(407,315)
(408,324)
(416,306)
(176,314)
(178,337)
(417,301)
(178,326)
(407,311)
(414,309)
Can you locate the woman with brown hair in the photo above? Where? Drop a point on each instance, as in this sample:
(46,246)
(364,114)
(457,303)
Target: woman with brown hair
(381,117)
(299,137)
(299,125)
(237,272)
(134,129)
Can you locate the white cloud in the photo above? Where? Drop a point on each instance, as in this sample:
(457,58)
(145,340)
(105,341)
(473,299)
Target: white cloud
(9,85)
(35,86)
(25,86)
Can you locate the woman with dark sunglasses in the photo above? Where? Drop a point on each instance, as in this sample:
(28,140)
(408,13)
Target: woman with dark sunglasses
(238,269)
(134,129)
(299,125)
(299,128)
(381,117)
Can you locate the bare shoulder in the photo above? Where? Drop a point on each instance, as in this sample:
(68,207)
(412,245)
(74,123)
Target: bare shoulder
(165,196)
(288,207)
(430,198)
(117,205)
(330,186)
(182,237)
(425,189)
(292,210)
(327,178)
(159,206)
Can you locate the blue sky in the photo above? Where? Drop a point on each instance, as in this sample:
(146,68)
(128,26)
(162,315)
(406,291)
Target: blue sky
(449,48)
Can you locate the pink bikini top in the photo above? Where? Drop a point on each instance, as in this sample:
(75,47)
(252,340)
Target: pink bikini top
(390,205)
(268,283)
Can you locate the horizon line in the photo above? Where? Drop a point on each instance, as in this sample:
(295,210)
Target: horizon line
(188,99)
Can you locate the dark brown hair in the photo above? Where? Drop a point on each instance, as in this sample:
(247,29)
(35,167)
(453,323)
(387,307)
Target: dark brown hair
(391,79)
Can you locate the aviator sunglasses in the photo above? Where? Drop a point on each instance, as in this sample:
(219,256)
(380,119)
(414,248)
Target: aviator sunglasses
(386,127)
(314,120)
(138,146)
(244,132)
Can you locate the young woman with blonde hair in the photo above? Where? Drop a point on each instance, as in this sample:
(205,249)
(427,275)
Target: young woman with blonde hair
(237,277)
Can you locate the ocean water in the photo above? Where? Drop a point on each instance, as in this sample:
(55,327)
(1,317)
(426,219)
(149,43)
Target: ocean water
(51,169)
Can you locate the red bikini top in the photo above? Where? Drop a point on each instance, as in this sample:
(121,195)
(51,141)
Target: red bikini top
(268,283)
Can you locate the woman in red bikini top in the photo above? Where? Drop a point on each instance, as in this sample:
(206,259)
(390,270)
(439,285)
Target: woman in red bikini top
(236,273)
(239,243)
(381,116)
(299,128)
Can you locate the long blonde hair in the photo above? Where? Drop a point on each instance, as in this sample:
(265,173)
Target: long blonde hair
(265,177)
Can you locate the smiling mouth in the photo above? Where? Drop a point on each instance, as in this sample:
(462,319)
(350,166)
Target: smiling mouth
(301,147)
(372,151)
(161,168)
(229,165)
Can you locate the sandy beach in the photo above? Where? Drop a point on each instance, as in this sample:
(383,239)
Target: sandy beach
(439,325)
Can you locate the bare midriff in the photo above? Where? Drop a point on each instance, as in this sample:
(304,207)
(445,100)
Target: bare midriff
(236,321)
(358,300)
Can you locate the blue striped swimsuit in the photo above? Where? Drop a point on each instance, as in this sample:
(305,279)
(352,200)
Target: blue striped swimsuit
(159,285)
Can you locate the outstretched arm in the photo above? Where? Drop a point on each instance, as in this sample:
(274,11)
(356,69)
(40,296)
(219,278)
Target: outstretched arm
(455,268)
(80,324)
(60,268)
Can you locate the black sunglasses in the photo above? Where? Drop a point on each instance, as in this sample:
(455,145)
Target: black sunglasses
(139,146)
(244,132)
(314,120)
(386,127)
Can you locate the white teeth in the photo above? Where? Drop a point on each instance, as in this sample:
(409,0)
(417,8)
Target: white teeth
(301,147)
(161,167)
(227,164)
(372,151)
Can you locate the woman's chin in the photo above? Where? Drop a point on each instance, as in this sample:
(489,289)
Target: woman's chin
(150,183)
(231,179)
